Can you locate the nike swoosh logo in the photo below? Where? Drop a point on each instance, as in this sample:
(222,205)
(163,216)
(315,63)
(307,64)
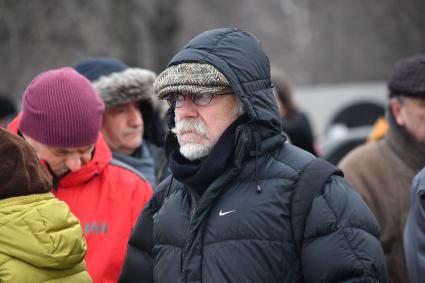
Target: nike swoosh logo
(221,213)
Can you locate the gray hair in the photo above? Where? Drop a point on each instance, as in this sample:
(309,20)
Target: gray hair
(239,107)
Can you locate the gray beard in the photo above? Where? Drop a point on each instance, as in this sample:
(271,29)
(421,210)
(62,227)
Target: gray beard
(405,144)
(194,151)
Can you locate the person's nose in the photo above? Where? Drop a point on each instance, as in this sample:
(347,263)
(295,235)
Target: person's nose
(187,110)
(135,116)
(73,162)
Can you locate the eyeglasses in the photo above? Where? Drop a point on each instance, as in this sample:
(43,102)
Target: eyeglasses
(176,99)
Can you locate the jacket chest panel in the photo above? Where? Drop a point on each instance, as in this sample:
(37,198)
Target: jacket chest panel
(171,222)
(240,212)
(240,225)
(243,213)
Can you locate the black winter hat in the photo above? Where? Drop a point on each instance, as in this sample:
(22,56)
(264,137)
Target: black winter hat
(6,107)
(408,77)
(94,68)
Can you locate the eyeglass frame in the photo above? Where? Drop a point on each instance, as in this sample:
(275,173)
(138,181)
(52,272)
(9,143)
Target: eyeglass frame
(192,95)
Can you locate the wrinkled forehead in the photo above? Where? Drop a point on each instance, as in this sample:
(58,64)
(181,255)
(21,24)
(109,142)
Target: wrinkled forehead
(412,100)
(71,150)
(135,104)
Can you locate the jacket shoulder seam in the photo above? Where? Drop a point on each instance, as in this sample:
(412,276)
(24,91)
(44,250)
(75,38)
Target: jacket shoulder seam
(117,163)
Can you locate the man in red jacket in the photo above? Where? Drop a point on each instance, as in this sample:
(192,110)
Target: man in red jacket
(61,118)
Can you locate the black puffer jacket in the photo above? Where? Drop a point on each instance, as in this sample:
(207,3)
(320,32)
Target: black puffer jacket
(235,233)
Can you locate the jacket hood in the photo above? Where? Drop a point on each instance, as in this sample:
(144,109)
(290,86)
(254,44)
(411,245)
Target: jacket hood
(135,85)
(130,85)
(240,57)
(118,84)
(40,230)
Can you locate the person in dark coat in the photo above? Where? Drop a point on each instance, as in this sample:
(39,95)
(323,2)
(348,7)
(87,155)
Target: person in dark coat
(295,123)
(414,232)
(133,120)
(7,110)
(224,213)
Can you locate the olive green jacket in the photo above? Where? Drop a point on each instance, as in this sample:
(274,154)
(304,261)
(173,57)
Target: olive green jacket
(40,241)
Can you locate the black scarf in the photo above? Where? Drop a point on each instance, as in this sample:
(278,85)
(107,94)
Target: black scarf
(199,174)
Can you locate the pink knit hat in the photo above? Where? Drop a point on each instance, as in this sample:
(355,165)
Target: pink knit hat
(60,108)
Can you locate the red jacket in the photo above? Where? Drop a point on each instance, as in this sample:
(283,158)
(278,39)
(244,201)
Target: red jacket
(107,200)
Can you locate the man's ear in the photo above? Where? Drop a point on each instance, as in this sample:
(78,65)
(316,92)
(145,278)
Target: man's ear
(395,106)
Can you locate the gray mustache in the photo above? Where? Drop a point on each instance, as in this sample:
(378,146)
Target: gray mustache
(194,125)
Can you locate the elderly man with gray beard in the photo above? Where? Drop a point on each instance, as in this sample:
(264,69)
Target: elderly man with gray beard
(224,213)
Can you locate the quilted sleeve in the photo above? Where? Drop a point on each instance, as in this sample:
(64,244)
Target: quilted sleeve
(414,232)
(138,266)
(341,239)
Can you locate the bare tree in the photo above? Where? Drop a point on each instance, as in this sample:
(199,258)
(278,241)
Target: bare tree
(42,34)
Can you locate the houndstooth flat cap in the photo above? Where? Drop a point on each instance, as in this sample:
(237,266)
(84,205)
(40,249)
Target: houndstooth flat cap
(189,77)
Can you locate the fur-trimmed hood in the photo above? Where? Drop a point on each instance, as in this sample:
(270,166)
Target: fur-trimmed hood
(130,85)
(117,84)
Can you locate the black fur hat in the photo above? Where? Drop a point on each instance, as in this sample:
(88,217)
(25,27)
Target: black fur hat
(408,77)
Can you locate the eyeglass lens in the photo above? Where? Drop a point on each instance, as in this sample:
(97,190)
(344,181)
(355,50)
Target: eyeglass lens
(176,100)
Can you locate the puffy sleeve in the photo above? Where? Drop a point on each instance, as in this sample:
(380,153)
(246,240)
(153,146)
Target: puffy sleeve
(414,232)
(138,266)
(341,239)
